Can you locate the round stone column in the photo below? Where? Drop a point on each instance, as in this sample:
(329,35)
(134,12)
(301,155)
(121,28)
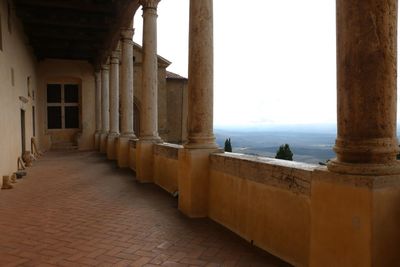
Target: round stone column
(366,87)
(149,111)
(97,76)
(105,98)
(127,90)
(105,107)
(201,71)
(114,105)
(97,79)
(114,93)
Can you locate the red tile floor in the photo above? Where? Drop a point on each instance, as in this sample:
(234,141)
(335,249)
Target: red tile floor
(78,209)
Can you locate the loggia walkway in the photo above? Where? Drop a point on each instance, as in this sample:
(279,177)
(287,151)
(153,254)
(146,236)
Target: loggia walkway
(78,209)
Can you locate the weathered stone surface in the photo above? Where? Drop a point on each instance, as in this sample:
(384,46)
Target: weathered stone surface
(293,176)
(201,76)
(149,112)
(366,63)
(167,150)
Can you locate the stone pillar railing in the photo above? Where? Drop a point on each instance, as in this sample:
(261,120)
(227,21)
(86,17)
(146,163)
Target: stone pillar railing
(149,114)
(114,104)
(193,175)
(127,96)
(97,80)
(105,100)
(367,99)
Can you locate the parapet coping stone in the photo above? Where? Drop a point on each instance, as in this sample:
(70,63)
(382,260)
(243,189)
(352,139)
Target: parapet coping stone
(293,176)
(167,150)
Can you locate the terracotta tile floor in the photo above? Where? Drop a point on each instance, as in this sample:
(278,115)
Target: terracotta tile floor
(78,209)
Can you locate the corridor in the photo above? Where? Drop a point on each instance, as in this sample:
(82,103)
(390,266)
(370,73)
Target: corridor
(78,209)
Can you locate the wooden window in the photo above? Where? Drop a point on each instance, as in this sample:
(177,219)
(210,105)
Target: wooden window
(63,106)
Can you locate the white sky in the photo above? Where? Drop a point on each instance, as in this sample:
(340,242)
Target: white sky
(275,60)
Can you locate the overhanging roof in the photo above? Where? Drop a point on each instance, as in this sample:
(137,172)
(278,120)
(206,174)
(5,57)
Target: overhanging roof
(74,29)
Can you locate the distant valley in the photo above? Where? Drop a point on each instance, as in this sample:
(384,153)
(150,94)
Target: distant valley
(310,144)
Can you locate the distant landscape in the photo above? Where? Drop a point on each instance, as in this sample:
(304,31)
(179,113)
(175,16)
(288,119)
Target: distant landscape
(309,143)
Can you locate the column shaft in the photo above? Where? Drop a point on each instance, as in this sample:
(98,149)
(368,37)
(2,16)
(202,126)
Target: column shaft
(200,87)
(149,113)
(127,89)
(98,100)
(114,93)
(105,105)
(366,94)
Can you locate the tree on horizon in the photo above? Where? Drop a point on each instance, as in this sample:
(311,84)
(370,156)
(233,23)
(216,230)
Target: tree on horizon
(284,153)
(228,145)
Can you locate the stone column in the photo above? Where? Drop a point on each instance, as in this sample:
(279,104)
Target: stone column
(127,96)
(105,107)
(366,93)
(114,105)
(355,202)
(149,119)
(193,172)
(97,76)
(149,114)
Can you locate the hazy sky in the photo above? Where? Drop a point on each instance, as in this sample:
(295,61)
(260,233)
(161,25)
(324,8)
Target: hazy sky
(274,59)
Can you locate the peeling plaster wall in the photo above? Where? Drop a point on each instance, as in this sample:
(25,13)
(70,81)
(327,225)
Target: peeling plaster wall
(18,56)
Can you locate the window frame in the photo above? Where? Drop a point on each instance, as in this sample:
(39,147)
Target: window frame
(63,105)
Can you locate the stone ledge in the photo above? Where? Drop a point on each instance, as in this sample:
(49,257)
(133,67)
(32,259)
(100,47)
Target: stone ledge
(371,182)
(289,175)
(167,150)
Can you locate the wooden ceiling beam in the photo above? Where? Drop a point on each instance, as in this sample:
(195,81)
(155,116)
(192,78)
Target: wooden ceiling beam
(91,6)
(83,36)
(65,23)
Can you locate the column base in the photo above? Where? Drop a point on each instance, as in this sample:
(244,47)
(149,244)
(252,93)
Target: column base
(145,160)
(97,141)
(103,142)
(364,169)
(193,181)
(123,150)
(111,146)
(354,220)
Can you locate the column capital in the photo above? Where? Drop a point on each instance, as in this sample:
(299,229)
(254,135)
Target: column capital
(149,4)
(127,34)
(105,67)
(115,56)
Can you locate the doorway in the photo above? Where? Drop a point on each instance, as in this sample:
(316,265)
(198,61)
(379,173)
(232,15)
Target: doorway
(23,145)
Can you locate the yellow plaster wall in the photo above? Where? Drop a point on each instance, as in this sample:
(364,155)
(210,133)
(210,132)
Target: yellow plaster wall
(255,200)
(386,226)
(15,54)
(53,70)
(166,166)
(341,228)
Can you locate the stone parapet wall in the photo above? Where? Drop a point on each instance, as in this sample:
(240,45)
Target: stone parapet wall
(293,176)
(266,201)
(166,166)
